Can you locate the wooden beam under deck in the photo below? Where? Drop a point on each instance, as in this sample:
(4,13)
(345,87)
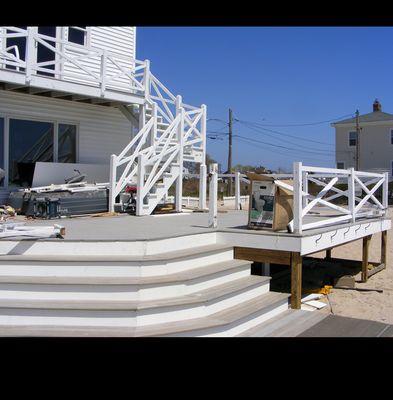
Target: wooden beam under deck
(263,255)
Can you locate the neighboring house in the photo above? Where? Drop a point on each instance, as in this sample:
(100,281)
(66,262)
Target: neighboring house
(375,144)
(78,95)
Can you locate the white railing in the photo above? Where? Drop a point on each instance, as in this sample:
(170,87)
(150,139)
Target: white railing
(169,130)
(352,205)
(72,62)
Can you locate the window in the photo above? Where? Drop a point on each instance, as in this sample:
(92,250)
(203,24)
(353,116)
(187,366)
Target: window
(29,142)
(32,141)
(391,169)
(391,136)
(340,165)
(1,150)
(353,138)
(67,143)
(78,35)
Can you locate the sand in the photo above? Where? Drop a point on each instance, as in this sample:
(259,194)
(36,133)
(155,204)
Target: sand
(365,305)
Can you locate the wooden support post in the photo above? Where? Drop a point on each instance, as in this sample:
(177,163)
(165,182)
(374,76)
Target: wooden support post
(296,280)
(328,254)
(384,243)
(366,250)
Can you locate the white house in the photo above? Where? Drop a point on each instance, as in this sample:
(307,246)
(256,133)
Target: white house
(375,143)
(78,94)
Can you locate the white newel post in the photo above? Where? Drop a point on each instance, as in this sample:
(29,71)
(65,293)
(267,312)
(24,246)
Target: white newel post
(140,184)
(305,189)
(112,182)
(153,133)
(237,190)
(213,186)
(146,79)
(385,191)
(203,168)
(297,197)
(180,138)
(30,52)
(104,60)
(351,193)
(202,186)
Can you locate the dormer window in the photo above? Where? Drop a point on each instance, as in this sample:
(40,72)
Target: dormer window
(78,35)
(353,138)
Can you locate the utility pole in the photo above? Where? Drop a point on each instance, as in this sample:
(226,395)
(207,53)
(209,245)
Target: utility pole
(230,123)
(357,141)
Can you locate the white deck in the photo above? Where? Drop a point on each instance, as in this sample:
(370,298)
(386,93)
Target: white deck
(129,235)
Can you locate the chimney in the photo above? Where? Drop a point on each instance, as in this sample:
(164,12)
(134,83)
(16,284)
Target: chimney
(377,106)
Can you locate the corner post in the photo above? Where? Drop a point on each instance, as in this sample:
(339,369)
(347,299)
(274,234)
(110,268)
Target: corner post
(140,185)
(202,187)
(180,138)
(213,186)
(385,193)
(351,193)
(296,281)
(365,257)
(112,182)
(237,190)
(30,52)
(297,197)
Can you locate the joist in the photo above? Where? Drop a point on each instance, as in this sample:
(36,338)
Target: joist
(263,255)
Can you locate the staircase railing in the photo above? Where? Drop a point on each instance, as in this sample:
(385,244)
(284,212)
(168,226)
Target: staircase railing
(153,150)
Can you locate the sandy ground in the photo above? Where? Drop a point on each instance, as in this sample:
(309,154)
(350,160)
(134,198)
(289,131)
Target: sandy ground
(365,305)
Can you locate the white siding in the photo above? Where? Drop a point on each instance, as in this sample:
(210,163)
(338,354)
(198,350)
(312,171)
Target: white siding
(116,39)
(102,130)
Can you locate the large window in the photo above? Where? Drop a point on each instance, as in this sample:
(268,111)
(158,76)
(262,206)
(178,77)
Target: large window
(340,165)
(29,142)
(32,141)
(77,34)
(67,143)
(1,150)
(353,136)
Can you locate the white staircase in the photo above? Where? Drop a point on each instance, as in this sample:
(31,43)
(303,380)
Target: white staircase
(171,132)
(194,291)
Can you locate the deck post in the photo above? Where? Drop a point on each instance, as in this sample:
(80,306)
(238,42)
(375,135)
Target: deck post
(112,183)
(297,197)
(213,186)
(384,243)
(140,185)
(202,187)
(328,254)
(180,138)
(296,280)
(366,251)
(237,190)
(385,193)
(351,194)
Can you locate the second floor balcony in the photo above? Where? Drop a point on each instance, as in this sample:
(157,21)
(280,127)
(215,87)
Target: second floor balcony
(29,59)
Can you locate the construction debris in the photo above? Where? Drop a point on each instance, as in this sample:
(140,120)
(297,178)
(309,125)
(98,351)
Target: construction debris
(16,229)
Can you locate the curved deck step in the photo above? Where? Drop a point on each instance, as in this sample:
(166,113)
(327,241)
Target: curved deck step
(38,277)
(218,323)
(53,300)
(168,256)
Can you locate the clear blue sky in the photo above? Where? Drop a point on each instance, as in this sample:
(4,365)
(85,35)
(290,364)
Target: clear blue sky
(273,75)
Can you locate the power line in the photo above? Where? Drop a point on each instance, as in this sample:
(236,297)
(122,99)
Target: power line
(310,123)
(255,126)
(255,145)
(322,153)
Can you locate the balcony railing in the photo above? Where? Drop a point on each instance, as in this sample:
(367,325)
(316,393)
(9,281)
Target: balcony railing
(71,62)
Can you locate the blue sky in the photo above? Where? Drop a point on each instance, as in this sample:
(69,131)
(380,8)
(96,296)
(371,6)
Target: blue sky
(273,76)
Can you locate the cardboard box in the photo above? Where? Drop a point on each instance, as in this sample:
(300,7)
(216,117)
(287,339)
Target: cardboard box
(271,207)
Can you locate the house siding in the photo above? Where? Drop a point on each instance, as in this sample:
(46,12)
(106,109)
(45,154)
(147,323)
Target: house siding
(119,40)
(102,131)
(376,151)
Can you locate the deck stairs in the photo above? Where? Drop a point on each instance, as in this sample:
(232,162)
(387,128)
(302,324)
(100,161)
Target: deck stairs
(190,291)
(171,133)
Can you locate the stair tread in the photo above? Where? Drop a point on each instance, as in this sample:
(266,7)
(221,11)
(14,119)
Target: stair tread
(206,295)
(186,275)
(171,255)
(221,318)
